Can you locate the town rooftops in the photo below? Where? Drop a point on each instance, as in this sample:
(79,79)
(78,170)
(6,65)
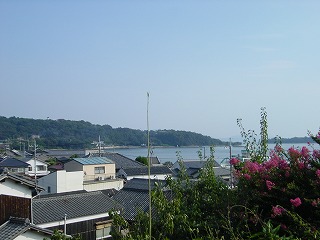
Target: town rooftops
(53,207)
(93,160)
(16,226)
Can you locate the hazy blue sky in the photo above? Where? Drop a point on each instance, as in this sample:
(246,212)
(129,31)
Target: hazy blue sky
(204,63)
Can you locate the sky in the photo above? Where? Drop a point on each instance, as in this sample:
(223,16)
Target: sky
(204,64)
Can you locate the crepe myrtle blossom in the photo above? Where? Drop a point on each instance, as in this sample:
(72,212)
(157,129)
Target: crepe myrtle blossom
(269,184)
(234,161)
(276,211)
(296,202)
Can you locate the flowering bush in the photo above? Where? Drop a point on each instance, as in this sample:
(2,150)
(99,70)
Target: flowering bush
(284,188)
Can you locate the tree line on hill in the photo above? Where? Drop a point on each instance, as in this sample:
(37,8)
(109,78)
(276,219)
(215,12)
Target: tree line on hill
(81,134)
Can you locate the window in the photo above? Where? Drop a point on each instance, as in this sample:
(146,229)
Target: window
(49,189)
(98,170)
(30,168)
(41,168)
(103,231)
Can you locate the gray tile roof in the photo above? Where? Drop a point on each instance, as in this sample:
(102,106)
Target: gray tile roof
(13,162)
(144,170)
(17,226)
(93,160)
(132,202)
(53,207)
(142,184)
(120,160)
(134,197)
(193,164)
(21,179)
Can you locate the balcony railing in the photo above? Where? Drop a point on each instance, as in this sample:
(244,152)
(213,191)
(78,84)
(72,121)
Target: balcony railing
(99,177)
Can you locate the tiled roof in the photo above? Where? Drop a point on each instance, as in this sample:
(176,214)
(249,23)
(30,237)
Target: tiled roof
(120,160)
(132,202)
(54,207)
(142,184)
(194,164)
(17,226)
(93,160)
(21,179)
(154,160)
(13,162)
(144,170)
(134,197)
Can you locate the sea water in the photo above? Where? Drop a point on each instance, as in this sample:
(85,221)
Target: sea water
(171,154)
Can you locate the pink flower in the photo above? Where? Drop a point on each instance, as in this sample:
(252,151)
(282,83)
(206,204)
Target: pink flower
(269,184)
(294,153)
(296,202)
(247,176)
(234,161)
(277,211)
(301,165)
(305,152)
(316,153)
(252,167)
(318,173)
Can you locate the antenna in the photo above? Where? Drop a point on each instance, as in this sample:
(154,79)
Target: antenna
(149,182)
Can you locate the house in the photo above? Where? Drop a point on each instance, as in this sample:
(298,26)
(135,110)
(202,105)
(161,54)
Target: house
(160,172)
(134,196)
(14,165)
(16,195)
(194,167)
(36,168)
(98,173)
(119,160)
(21,229)
(80,212)
(127,168)
(62,181)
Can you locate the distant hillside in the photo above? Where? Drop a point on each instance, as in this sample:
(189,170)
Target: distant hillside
(81,134)
(293,140)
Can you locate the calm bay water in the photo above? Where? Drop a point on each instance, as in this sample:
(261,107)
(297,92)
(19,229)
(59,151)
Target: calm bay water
(189,153)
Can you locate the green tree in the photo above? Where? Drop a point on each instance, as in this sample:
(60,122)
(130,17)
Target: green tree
(143,160)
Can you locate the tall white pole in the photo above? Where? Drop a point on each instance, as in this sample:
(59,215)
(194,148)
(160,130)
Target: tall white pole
(149,183)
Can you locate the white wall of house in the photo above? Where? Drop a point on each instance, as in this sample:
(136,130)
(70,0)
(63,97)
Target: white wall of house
(62,181)
(101,185)
(11,188)
(32,235)
(157,176)
(41,168)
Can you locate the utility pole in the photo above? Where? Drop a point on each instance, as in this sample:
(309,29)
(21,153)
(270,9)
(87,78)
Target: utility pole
(149,163)
(230,155)
(35,163)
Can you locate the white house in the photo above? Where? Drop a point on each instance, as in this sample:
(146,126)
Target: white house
(62,181)
(36,168)
(98,173)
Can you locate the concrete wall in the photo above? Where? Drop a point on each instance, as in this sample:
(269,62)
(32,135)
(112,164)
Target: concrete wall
(62,181)
(11,188)
(101,185)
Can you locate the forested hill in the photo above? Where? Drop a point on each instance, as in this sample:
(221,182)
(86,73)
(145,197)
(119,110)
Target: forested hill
(81,134)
